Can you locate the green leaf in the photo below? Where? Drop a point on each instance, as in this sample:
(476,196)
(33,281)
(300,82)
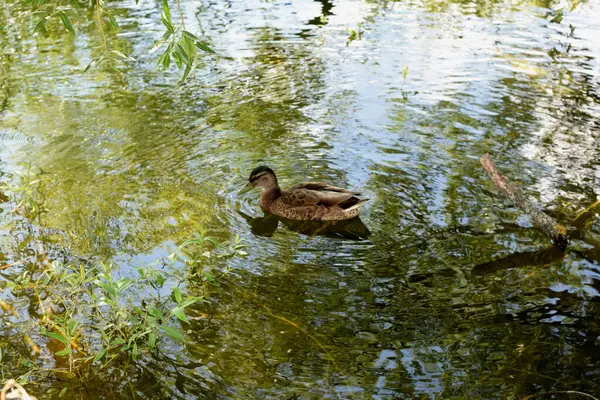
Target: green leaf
(190,36)
(178,312)
(58,337)
(100,354)
(160,280)
(113,22)
(177,296)
(40,24)
(205,47)
(189,301)
(94,61)
(186,72)
(64,352)
(107,289)
(160,43)
(167,24)
(160,63)
(103,334)
(173,333)
(166,11)
(117,342)
(167,61)
(72,327)
(210,277)
(67,22)
(152,341)
(126,57)
(182,52)
(166,17)
(189,47)
(178,59)
(134,351)
(63,392)
(155,312)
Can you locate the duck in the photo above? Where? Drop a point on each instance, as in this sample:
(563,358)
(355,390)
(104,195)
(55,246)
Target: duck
(308,201)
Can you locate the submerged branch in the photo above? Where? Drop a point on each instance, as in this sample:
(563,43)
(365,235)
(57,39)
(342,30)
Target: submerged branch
(9,265)
(255,300)
(518,260)
(540,219)
(589,396)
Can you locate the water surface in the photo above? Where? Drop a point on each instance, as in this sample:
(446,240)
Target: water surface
(453,295)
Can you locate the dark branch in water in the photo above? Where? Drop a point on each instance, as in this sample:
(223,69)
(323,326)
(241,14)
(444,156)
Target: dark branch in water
(540,219)
(518,260)
(589,396)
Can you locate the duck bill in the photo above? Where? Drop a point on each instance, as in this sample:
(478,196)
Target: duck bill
(249,186)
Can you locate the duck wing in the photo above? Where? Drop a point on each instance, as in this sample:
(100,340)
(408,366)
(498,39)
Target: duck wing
(318,193)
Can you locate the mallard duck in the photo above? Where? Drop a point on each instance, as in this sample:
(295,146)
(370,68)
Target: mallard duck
(314,201)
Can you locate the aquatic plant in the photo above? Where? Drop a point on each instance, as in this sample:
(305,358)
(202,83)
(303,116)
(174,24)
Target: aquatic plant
(23,191)
(88,315)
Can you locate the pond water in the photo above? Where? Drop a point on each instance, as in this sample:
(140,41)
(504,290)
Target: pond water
(453,294)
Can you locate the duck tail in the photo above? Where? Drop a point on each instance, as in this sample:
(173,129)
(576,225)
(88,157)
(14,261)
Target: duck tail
(356,206)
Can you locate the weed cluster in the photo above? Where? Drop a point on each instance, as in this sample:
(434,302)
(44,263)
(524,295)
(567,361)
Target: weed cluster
(88,316)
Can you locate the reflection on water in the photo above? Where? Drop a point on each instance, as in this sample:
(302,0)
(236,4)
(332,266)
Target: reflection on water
(518,260)
(452,294)
(353,229)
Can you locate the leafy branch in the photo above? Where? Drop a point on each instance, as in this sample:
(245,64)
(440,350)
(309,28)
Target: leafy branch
(183,48)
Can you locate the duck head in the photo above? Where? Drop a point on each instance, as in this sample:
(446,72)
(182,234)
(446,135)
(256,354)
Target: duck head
(262,176)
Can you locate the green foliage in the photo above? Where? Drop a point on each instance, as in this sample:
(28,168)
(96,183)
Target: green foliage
(183,47)
(23,192)
(66,21)
(96,315)
(198,251)
(89,314)
(210,247)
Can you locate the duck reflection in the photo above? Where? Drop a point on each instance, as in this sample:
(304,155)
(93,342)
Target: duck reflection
(266,225)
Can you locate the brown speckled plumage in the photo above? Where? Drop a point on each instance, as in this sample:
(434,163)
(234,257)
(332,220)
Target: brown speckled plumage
(306,201)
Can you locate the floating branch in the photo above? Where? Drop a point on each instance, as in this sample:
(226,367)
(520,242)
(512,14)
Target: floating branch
(540,219)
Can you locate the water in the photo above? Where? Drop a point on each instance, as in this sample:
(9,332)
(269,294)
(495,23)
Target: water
(452,295)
